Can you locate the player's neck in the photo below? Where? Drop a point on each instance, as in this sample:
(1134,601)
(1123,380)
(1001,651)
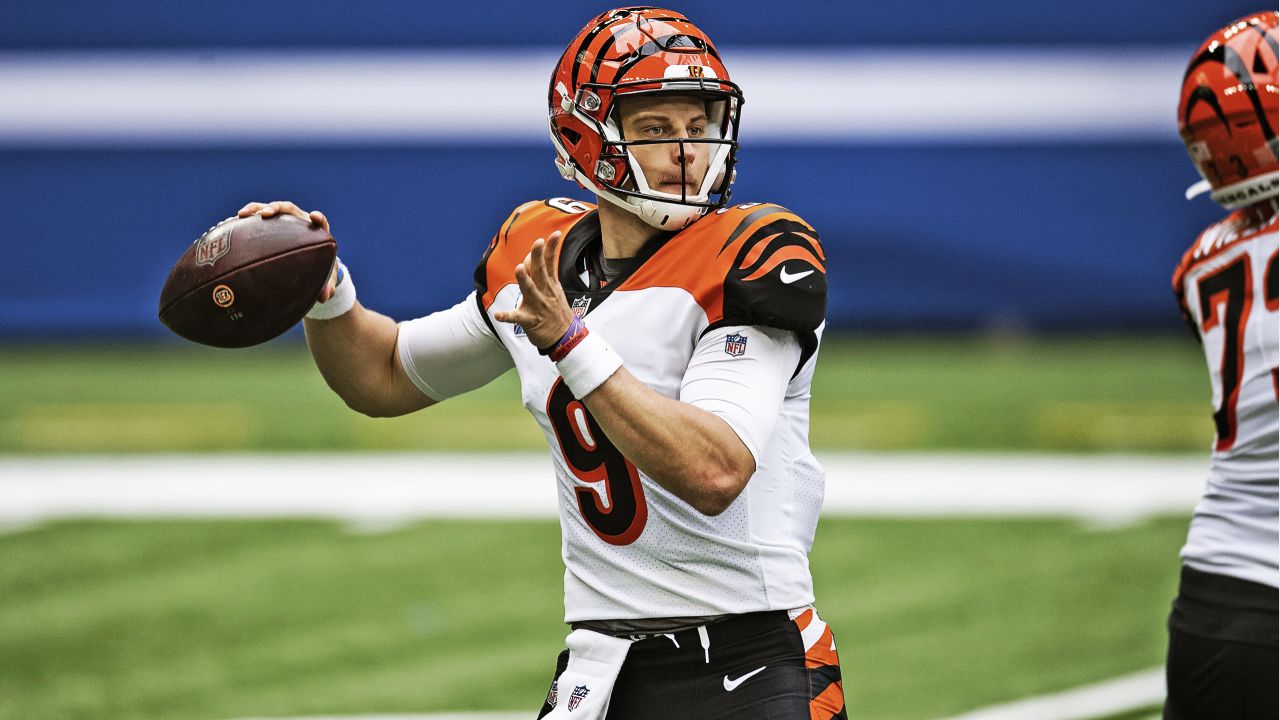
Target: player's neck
(623,233)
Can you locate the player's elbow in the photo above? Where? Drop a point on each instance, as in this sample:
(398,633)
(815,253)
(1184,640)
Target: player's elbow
(369,408)
(376,403)
(722,484)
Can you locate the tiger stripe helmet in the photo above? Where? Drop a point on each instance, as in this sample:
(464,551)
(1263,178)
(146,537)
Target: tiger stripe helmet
(1227,112)
(641,51)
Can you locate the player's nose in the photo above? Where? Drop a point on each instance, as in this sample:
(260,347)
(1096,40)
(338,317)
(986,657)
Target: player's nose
(685,153)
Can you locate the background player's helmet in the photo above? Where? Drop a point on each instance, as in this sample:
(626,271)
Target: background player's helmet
(1227,113)
(641,51)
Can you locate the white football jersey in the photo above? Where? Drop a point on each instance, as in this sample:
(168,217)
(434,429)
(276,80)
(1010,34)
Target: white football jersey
(1226,285)
(726,315)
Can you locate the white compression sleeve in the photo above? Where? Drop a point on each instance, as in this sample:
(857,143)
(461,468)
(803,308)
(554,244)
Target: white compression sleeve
(744,390)
(452,351)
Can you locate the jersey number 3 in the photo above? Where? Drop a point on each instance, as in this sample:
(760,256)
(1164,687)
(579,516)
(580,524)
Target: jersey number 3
(593,459)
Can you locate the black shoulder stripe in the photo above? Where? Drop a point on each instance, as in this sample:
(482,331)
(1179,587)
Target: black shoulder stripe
(786,231)
(506,229)
(746,223)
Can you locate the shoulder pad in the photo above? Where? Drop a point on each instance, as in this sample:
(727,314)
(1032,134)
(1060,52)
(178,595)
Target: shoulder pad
(508,247)
(777,273)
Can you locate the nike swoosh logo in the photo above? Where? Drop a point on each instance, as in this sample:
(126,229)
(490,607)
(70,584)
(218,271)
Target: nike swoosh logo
(787,278)
(731,685)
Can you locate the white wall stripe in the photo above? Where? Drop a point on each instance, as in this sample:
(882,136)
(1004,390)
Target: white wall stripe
(211,97)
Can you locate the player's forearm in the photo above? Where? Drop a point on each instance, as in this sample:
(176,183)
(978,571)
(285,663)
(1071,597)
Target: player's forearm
(688,451)
(355,353)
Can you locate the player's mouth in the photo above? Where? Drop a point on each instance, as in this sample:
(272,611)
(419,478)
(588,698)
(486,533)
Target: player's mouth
(674,186)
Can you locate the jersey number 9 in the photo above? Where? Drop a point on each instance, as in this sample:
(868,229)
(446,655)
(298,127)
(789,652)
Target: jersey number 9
(592,459)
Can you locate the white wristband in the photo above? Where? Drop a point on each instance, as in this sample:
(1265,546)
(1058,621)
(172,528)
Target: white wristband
(588,365)
(343,299)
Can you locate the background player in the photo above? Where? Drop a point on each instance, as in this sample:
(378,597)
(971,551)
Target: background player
(1222,631)
(665,343)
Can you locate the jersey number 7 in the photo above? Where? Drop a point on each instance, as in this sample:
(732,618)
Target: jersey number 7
(1231,287)
(592,459)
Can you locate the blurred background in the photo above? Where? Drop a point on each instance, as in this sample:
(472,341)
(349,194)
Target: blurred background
(999,189)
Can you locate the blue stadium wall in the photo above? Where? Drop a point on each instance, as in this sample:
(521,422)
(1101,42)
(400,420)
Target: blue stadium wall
(1072,233)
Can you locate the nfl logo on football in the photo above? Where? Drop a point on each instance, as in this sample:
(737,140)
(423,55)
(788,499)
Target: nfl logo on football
(213,247)
(735,344)
(575,698)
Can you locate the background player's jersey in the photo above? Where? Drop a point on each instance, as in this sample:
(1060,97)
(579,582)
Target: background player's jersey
(1226,285)
(631,548)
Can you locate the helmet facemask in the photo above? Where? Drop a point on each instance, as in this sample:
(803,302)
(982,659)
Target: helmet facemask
(618,176)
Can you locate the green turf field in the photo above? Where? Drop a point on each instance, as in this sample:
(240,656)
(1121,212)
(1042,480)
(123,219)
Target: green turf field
(1068,394)
(222,619)
(196,620)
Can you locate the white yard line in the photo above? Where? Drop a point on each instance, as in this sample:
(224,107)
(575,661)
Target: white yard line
(1104,699)
(528,715)
(388,489)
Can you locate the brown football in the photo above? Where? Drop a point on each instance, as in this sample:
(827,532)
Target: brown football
(247,280)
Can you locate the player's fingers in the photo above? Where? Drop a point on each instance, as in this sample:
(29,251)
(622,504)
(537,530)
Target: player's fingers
(526,284)
(283,207)
(249,209)
(532,269)
(552,257)
(537,261)
(516,315)
(317,218)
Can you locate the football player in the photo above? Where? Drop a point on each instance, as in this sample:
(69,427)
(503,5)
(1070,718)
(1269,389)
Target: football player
(665,341)
(1222,631)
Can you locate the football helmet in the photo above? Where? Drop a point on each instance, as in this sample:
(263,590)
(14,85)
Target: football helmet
(1227,112)
(632,52)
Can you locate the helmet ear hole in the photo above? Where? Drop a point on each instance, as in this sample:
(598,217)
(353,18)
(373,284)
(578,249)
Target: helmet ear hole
(572,137)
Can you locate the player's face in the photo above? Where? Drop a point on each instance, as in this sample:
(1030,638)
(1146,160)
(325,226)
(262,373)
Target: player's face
(667,118)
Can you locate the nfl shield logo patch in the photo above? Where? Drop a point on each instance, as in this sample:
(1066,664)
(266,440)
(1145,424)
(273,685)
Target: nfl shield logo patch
(580,306)
(213,246)
(551,694)
(735,344)
(575,698)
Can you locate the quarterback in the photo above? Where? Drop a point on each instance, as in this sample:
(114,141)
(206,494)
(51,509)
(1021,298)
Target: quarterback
(665,341)
(1222,660)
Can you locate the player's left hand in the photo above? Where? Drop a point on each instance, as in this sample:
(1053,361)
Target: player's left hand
(543,311)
